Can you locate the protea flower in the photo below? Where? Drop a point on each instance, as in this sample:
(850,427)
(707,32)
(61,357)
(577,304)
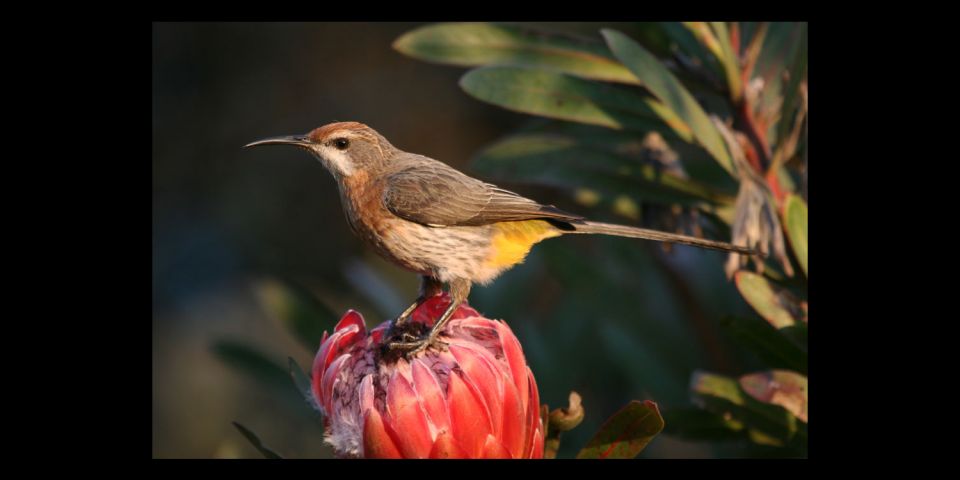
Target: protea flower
(476,398)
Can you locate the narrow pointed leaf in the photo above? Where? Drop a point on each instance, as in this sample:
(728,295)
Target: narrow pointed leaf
(791,91)
(297,310)
(795,223)
(779,47)
(626,433)
(564,97)
(690,45)
(665,87)
(302,382)
(730,60)
(255,441)
(752,49)
(702,32)
(479,44)
(572,163)
(775,305)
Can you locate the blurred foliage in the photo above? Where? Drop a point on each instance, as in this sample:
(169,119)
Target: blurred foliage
(757,72)
(698,128)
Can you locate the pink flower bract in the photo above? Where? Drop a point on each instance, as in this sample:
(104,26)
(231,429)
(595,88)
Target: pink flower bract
(475,399)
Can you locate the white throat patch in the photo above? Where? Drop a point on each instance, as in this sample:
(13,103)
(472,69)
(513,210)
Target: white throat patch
(338,160)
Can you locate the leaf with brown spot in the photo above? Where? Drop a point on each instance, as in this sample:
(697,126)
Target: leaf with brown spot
(779,387)
(767,424)
(626,433)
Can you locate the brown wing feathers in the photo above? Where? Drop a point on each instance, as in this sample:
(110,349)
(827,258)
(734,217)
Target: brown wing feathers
(431,193)
(435,194)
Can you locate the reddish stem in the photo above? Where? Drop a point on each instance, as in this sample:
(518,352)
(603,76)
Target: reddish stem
(778,192)
(755,133)
(750,152)
(758,150)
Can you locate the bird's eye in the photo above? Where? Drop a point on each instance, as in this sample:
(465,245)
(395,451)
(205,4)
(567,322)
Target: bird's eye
(341,143)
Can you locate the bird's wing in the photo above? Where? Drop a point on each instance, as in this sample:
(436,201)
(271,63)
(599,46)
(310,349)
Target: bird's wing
(432,193)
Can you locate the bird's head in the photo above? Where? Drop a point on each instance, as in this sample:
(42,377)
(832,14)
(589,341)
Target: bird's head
(344,148)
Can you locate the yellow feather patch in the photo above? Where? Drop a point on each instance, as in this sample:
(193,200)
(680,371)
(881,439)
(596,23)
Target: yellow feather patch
(512,241)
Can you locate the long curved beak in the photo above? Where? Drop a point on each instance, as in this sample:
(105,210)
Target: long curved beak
(298,140)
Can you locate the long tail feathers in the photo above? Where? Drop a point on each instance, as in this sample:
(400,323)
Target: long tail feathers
(633,232)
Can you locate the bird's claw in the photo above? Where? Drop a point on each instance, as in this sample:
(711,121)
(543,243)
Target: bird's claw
(413,348)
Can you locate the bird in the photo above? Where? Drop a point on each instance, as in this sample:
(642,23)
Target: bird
(442,224)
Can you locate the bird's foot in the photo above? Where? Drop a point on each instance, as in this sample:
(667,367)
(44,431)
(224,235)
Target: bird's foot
(413,347)
(408,337)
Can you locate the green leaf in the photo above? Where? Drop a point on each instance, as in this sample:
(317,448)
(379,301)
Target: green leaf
(696,162)
(779,47)
(779,387)
(478,44)
(795,223)
(730,60)
(791,92)
(555,95)
(573,163)
(671,92)
(797,334)
(776,305)
(769,344)
(690,45)
(707,37)
(297,310)
(255,441)
(769,424)
(303,384)
(626,433)
(249,361)
(702,425)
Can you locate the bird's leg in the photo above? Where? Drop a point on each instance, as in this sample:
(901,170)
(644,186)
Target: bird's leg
(429,287)
(459,291)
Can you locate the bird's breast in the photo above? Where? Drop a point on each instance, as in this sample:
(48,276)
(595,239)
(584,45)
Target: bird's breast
(478,253)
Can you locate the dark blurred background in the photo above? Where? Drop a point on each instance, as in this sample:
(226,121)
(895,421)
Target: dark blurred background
(614,319)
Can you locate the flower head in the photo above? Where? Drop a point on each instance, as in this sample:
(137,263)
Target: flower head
(476,398)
